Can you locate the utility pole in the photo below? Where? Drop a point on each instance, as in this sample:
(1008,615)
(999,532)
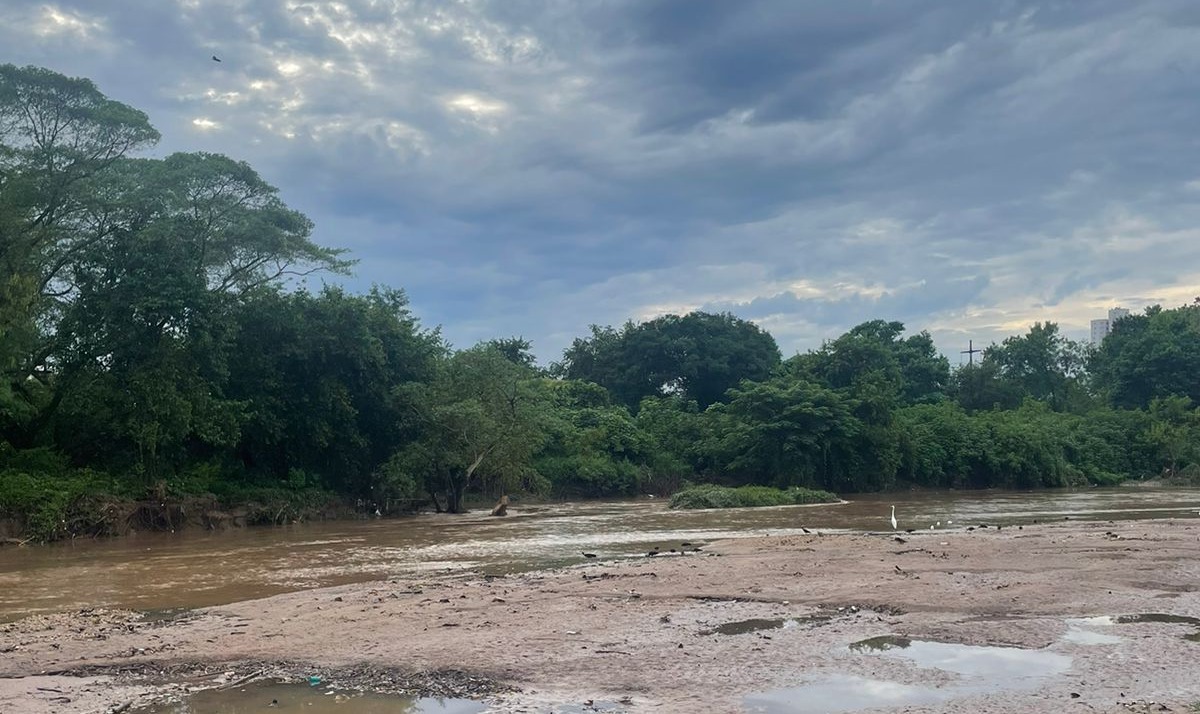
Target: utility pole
(970,352)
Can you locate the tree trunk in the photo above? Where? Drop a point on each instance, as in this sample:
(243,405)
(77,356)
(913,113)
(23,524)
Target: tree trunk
(454,497)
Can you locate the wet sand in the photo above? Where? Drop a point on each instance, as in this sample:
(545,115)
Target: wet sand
(638,630)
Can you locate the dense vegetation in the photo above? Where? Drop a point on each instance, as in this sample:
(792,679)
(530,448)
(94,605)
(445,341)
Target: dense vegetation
(155,351)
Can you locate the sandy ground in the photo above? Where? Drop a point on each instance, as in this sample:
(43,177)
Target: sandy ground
(636,633)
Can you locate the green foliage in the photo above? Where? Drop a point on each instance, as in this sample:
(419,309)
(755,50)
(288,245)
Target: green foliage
(698,356)
(710,496)
(1040,364)
(316,381)
(1175,433)
(478,425)
(1150,356)
(592,448)
(874,357)
(57,504)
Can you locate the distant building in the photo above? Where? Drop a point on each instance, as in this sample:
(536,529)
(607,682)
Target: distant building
(1102,328)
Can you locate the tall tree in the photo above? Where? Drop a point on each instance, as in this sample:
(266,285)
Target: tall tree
(57,134)
(480,425)
(1150,356)
(316,379)
(152,304)
(1041,364)
(698,356)
(908,370)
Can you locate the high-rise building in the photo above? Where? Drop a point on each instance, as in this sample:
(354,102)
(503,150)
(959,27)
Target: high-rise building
(1102,328)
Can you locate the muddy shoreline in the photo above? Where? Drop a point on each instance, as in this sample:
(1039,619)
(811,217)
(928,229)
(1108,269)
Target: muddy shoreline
(645,634)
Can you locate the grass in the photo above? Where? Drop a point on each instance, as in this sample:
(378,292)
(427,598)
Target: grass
(711,496)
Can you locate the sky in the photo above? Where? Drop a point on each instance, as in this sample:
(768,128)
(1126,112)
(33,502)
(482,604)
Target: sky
(532,167)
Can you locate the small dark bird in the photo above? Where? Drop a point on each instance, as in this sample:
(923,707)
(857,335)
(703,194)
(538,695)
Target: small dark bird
(805,529)
(685,544)
(908,530)
(652,553)
(898,539)
(216,58)
(589,555)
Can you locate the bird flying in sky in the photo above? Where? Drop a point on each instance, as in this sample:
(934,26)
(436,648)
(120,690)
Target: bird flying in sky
(216,58)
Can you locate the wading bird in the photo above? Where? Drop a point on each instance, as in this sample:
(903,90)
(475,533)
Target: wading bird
(893,518)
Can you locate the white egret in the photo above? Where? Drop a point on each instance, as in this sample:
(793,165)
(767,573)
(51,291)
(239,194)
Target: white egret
(893,518)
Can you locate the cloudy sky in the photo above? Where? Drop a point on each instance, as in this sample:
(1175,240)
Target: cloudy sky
(530,167)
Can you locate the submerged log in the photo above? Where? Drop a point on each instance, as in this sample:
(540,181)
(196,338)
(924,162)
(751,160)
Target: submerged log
(501,508)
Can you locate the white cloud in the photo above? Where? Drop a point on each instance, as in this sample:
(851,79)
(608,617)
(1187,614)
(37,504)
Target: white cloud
(56,21)
(205,124)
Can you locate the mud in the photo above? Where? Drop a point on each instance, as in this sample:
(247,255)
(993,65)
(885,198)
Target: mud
(644,635)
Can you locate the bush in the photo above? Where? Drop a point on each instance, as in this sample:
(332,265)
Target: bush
(61,505)
(711,496)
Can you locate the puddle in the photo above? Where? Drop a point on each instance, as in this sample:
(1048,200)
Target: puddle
(844,693)
(1150,617)
(742,627)
(1158,617)
(277,697)
(1001,665)
(1079,636)
(881,643)
(1076,634)
(981,670)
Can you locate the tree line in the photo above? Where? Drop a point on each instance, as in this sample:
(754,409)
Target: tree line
(154,342)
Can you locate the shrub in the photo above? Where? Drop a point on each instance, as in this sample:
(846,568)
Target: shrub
(711,496)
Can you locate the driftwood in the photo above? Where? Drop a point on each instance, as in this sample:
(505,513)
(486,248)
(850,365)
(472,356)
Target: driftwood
(501,508)
(243,680)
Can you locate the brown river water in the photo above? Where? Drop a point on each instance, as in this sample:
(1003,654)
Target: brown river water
(167,571)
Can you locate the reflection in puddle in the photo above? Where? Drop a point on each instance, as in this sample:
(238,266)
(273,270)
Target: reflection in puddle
(1149,617)
(881,643)
(1152,617)
(844,693)
(1001,665)
(742,627)
(1158,617)
(1078,636)
(981,669)
(276,697)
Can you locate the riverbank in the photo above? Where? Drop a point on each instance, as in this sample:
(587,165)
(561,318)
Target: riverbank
(650,629)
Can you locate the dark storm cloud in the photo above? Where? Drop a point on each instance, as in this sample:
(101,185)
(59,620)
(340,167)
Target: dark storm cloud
(530,167)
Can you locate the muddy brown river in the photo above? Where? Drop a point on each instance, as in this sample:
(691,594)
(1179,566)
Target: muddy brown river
(164,571)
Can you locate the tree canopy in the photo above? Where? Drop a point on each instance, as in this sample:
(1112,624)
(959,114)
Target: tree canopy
(698,356)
